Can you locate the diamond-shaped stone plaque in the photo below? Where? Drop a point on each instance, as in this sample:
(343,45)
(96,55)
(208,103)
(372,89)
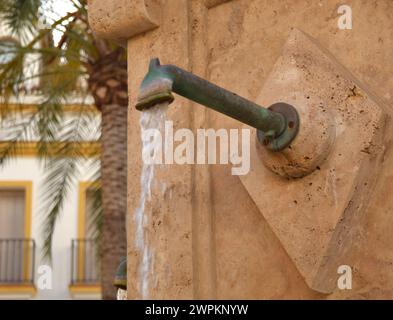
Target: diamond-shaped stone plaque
(318,218)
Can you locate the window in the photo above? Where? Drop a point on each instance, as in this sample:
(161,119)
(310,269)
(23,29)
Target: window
(12,213)
(16,247)
(90,259)
(85,258)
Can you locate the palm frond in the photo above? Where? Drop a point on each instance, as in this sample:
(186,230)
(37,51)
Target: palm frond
(62,172)
(94,223)
(20,131)
(20,16)
(60,176)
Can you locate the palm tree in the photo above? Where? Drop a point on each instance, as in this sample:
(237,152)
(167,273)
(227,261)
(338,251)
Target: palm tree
(76,63)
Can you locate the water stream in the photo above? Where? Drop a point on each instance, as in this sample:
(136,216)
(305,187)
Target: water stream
(152,118)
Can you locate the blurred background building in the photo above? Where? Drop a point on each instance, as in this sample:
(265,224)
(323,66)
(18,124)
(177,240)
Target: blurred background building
(74,264)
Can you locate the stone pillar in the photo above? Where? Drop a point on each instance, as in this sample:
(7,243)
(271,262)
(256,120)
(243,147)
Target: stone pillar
(215,235)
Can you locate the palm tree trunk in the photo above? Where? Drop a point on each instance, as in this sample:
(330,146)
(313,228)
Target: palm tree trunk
(114,193)
(108,85)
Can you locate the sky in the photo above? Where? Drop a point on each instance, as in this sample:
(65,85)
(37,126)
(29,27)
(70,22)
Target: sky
(55,9)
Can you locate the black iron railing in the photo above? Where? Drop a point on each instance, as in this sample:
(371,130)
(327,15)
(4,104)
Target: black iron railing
(17,258)
(84,262)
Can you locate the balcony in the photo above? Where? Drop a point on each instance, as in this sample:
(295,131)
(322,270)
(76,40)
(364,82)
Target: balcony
(85,271)
(17,257)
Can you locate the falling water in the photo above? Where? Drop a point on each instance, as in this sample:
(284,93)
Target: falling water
(121,294)
(152,118)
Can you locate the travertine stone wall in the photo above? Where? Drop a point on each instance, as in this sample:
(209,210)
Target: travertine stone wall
(209,231)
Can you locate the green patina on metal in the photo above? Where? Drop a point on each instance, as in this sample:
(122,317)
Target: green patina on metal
(277,125)
(120,280)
